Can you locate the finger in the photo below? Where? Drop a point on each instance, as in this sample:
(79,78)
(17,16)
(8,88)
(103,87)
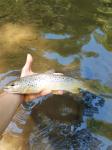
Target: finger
(46,92)
(60,92)
(57,92)
(28,63)
(26,70)
(31,97)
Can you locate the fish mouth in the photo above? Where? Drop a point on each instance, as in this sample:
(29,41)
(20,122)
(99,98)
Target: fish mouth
(8,90)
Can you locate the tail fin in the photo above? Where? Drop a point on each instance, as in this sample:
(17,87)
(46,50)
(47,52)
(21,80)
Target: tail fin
(93,86)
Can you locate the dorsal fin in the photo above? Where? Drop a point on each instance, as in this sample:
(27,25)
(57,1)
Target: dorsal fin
(56,73)
(52,71)
(49,71)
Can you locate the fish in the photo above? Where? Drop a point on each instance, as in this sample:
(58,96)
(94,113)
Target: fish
(45,81)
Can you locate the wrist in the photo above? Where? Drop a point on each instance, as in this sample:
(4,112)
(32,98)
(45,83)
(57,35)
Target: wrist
(18,97)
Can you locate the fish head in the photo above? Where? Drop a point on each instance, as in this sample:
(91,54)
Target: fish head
(13,87)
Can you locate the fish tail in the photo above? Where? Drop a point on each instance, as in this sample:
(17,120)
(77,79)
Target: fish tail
(94,88)
(89,88)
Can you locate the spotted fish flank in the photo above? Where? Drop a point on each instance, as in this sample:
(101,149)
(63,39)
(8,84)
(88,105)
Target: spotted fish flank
(45,81)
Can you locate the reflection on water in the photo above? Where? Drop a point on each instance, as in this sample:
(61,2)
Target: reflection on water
(55,36)
(74,37)
(103,62)
(62,60)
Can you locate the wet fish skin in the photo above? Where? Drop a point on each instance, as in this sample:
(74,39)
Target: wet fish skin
(45,81)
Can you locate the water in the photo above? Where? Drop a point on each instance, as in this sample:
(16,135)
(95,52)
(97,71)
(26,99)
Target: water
(74,37)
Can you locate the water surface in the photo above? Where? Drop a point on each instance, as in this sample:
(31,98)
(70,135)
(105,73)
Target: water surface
(74,37)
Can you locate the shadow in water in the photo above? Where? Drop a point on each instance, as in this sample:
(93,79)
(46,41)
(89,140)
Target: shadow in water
(64,35)
(62,125)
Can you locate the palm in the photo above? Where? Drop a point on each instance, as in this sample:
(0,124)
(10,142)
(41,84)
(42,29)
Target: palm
(26,71)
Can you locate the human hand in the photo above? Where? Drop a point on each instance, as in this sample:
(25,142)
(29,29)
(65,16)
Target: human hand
(26,70)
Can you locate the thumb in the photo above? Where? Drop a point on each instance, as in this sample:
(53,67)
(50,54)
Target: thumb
(28,63)
(27,67)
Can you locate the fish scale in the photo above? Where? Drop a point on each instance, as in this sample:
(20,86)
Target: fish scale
(46,81)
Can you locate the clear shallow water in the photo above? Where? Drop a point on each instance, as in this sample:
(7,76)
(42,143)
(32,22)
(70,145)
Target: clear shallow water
(74,37)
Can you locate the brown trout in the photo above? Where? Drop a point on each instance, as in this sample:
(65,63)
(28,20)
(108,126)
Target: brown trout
(45,81)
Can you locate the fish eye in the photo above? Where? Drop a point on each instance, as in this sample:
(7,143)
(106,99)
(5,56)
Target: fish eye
(12,84)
